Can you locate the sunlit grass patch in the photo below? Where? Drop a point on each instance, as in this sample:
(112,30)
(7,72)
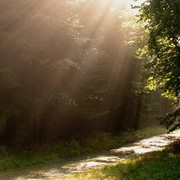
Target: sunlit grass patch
(62,151)
(175,132)
(157,166)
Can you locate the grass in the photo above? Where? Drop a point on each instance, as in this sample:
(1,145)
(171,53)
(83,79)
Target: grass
(162,165)
(63,151)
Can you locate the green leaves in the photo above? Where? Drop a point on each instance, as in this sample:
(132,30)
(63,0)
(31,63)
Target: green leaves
(171,120)
(161,19)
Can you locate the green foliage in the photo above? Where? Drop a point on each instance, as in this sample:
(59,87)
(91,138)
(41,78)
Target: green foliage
(156,166)
(61,151)
(175,147)
(65,70)
(160,20)
(171,120)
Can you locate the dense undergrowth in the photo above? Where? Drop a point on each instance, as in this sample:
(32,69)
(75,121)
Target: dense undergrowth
(63,151)
(159,165)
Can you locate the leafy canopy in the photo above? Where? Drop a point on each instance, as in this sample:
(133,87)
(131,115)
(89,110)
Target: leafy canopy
(161,18)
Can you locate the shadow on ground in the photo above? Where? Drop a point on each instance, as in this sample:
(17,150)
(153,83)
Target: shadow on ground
(148,145)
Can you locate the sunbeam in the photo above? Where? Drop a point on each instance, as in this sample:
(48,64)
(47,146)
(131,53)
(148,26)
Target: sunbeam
(72,70)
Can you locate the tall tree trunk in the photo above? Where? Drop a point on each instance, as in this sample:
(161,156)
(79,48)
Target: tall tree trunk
(38,104)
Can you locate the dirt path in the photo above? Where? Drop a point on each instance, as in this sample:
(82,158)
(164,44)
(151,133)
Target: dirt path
(116,155)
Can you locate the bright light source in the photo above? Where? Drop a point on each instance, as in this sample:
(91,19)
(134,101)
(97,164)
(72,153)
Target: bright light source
(121,4)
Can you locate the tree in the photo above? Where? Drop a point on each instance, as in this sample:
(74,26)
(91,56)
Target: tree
(161,22)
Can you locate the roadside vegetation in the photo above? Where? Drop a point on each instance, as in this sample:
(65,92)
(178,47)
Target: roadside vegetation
(63,151)
(157,166)
(81,77)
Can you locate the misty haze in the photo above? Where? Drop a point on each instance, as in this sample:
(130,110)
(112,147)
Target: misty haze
(82,77)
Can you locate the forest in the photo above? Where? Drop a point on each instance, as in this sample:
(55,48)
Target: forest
(72,69)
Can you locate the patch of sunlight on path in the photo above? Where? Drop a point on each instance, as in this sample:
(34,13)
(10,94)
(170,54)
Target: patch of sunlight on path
(51,172)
